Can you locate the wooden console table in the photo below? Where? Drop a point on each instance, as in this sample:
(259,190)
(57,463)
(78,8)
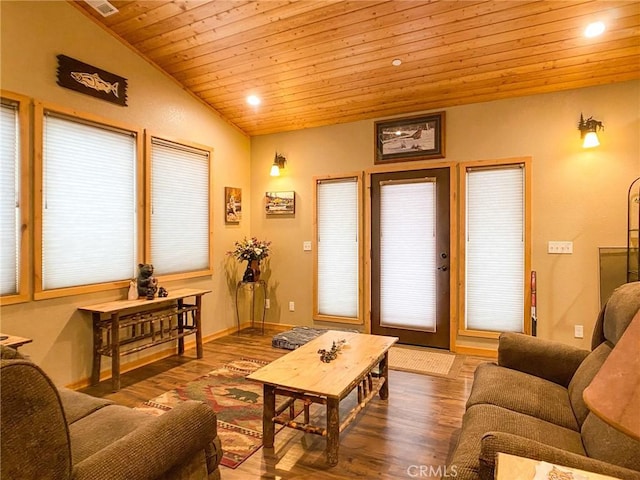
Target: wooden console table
(13,341)
(122,327)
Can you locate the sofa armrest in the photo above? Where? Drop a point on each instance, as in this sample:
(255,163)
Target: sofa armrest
(494,442)
(153,449)
(553,361)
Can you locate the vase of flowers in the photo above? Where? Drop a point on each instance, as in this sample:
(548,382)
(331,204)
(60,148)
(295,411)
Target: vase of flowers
(253,251)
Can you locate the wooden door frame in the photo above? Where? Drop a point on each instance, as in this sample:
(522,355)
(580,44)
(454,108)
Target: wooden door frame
(453,234)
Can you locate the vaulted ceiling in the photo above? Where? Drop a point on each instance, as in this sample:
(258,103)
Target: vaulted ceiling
(322,62)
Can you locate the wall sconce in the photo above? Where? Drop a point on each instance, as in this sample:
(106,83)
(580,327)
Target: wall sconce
(588,131)
(278,163)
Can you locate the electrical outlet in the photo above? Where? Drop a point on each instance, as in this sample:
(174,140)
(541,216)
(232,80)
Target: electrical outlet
(560,247)
(292,306)
(267,303)
(306,246)
(578,331)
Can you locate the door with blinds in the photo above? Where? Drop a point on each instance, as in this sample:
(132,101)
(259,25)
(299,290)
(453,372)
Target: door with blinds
(410,219)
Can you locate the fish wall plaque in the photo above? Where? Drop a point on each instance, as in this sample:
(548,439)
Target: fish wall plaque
(91,80)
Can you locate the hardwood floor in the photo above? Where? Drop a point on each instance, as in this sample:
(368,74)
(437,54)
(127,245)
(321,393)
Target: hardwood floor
(417,426)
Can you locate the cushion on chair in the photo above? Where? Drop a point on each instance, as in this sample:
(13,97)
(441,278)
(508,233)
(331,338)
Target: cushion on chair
(603,442)
(526,394)
(480,419)
(582,378)
(91,434)
(622,306)
(78,405)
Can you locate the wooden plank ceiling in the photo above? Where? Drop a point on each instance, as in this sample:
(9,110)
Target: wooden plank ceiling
(322,62)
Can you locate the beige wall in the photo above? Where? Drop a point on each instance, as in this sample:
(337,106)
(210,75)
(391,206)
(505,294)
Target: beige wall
(577,195)
(61,335)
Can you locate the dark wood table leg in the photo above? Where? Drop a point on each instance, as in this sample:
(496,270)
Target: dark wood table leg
(198,320)
(97,347)
(181,322)
(115,351)
(333,430)
(268,412)
(384,373)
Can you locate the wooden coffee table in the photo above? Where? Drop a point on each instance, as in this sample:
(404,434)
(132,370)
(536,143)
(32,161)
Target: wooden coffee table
(301,375)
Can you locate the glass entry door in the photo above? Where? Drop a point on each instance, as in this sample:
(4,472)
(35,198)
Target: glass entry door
(410,256)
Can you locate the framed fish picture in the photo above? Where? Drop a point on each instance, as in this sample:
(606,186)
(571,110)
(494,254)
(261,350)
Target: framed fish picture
(90,80)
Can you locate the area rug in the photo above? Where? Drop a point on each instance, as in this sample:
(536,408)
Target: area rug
(237,402)
(425,361)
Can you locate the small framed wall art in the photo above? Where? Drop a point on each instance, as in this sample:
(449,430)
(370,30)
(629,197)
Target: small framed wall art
(412,138)
(232,205)
(280,203)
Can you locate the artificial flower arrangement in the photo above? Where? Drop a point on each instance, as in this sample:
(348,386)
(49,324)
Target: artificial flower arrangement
(251,249)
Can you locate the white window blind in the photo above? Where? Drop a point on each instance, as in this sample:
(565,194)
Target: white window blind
(88,203)
(408,254)
(179,207)
(495,249)
(9,200)
(338,247)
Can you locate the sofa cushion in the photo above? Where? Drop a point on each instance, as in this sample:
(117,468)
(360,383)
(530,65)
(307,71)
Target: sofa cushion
(582,378)
(103,427)
(522,393)
(78,405)
(603,442)
(480,419)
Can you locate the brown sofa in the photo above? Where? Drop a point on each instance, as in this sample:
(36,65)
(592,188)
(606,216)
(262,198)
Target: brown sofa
(530,403)
(51,433)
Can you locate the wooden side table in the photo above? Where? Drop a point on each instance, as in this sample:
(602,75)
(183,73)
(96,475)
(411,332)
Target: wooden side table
(253,286)
(128,326)
(512,467)
(13,341)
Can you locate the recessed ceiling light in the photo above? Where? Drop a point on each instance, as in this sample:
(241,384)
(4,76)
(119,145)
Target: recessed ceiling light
(253,100)
(594,29)
(396,62)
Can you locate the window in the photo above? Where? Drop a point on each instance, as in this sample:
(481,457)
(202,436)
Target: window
(495,247)
(179,207)
(14,208)
(88,232)
(338,269)
(408,244)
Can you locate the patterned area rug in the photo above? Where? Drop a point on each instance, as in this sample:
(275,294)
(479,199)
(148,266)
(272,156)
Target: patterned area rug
(236,401)
(425,361)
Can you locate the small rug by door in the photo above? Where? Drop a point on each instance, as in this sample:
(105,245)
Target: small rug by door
(237,402)
(424,361)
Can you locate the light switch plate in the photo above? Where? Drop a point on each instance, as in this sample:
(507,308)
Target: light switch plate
(560,247)
(306,246)
(292,306)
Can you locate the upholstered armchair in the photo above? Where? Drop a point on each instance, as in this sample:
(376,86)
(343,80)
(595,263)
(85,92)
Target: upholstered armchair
(51,433)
